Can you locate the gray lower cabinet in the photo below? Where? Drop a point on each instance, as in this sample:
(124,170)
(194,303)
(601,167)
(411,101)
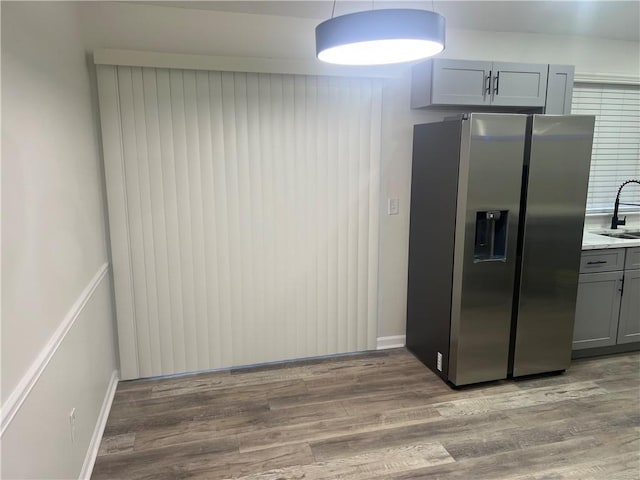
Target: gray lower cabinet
(629,324)
(632,259)
(597,310)
(608,301)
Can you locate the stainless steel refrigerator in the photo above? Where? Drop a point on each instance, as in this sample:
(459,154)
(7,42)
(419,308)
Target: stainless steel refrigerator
(497,212)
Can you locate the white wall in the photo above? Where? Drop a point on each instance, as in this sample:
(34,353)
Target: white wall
(589,55)
(205,32)
(177,30)
(53,243)
(38,443)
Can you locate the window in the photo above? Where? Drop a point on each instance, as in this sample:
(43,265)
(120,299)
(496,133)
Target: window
(616,142)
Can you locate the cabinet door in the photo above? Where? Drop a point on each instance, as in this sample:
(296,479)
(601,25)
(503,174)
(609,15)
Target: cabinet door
(519,84)
(460,82)
(559,89)
(629,327)
(597,309)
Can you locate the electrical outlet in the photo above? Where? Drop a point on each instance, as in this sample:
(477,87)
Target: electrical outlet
(439,361)
(393,206)
(72,424)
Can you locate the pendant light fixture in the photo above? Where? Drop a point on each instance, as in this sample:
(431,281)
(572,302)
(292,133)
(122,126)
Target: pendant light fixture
(379,37)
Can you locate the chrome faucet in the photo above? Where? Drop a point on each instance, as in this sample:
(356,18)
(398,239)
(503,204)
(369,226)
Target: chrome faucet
(614,220)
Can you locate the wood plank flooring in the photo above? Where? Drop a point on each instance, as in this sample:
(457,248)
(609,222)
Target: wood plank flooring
(376,415)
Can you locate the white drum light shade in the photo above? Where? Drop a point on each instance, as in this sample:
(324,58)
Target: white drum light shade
(378,37)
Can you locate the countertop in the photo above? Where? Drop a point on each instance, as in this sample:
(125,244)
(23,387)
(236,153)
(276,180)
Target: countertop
(592,241)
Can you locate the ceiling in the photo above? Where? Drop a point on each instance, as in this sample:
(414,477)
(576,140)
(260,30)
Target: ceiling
(618,20)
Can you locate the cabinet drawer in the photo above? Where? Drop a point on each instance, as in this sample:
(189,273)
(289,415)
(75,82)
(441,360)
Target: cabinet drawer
(632,260)
(602,260)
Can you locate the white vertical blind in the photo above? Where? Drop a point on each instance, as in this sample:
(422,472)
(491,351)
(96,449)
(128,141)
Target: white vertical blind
(616,142)
(245,212)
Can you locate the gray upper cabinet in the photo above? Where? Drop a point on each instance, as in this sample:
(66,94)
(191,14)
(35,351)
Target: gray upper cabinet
(456,82)
(519,84)
(441,82)
(559,89)
(597,309)
(629,325)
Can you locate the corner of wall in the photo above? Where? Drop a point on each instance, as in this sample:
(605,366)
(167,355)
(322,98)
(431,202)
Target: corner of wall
(98,431)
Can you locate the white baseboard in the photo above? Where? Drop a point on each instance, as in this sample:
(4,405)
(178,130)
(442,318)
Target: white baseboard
(20,393)
(96,438)
(395,341)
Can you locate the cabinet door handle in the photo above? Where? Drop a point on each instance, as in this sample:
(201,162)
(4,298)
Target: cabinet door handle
(487,88)
(497,84)
(597,262)
(621,289)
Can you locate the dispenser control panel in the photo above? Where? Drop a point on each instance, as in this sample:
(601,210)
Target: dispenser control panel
(491,236)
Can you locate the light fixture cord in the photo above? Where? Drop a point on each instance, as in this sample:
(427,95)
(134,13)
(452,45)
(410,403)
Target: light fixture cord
(433,5)
(333,9)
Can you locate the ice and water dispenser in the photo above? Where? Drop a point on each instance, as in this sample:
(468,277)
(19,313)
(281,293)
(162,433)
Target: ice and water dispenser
(491,236)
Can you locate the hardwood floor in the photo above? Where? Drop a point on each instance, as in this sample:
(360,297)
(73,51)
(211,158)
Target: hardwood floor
(376,415)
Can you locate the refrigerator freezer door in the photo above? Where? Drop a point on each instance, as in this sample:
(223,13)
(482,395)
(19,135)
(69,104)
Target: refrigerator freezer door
(489,185)
(559,160)
(434,188)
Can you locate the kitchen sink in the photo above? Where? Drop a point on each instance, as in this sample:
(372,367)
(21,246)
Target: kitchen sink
(625,235)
